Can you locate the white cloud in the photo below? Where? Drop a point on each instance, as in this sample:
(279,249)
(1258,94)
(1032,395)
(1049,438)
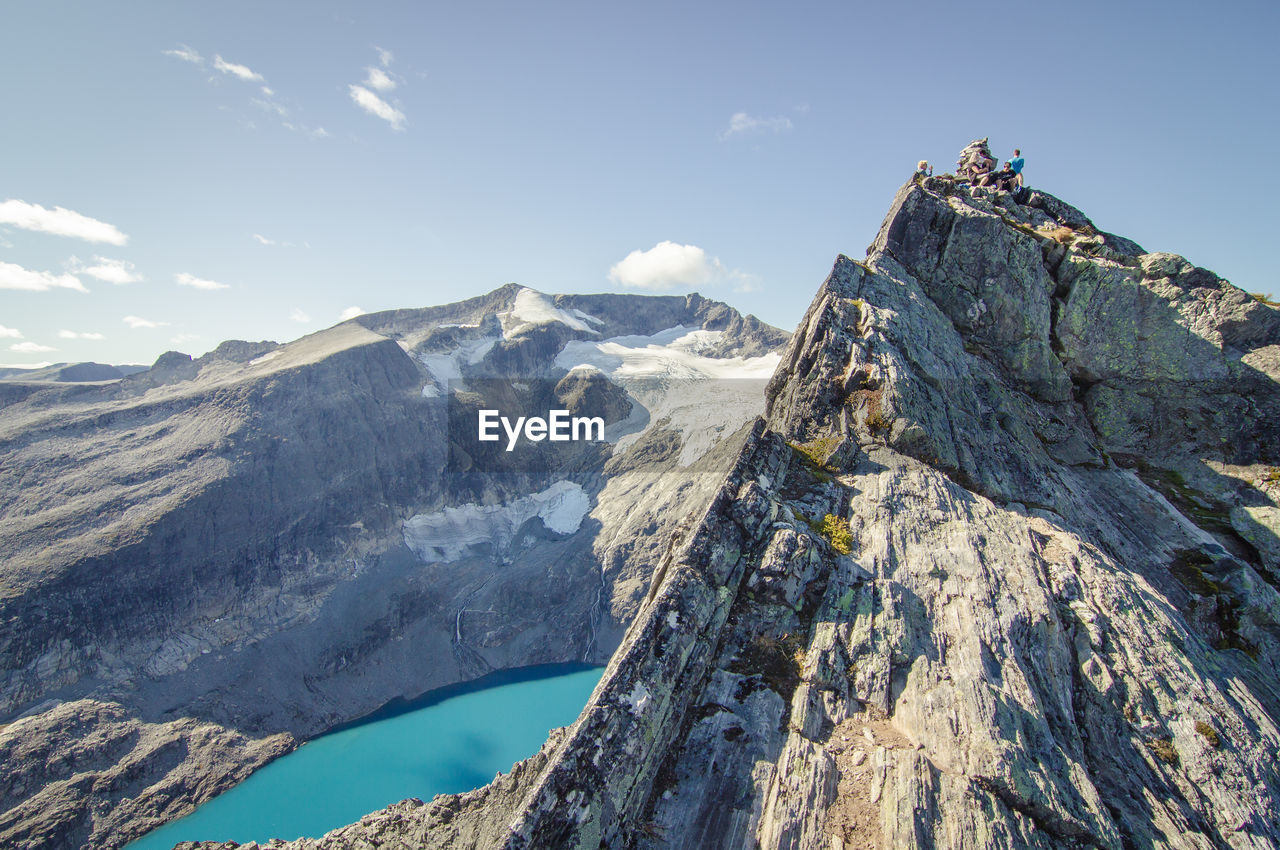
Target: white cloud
(194,282)
(384,56)
(235,70)
(186,54)
(179,339)
(40,365)
(16,277)
(350,313)
(741,122)
(111,271)
(299,315)
(664,266)
(31,348)
(11,333)
(272,243)
(270,105)
(139,322)
(64,334)
(379,79)
(60,222)
(374,105)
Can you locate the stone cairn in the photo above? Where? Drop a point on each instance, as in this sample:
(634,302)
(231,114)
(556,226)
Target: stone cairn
(975,162)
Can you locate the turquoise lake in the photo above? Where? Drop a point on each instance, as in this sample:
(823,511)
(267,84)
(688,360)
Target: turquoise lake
(451,740)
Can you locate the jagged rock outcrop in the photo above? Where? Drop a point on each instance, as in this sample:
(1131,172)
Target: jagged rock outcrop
(996,569)
(210,561)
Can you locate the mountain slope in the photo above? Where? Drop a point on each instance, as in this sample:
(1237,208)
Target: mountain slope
(997,568)
(212,560)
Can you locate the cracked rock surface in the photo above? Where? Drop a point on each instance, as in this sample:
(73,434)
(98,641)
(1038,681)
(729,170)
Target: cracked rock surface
(996,569)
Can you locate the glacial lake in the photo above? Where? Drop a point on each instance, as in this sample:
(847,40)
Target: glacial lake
(450,740)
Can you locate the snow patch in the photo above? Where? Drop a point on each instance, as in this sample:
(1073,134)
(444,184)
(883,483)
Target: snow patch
(447,366)
(671,376)
(532,308)
(447,535)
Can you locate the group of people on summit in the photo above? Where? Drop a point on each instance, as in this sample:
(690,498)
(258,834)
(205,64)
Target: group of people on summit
(977,166)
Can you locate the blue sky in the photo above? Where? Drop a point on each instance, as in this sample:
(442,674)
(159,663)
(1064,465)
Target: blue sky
(179,173)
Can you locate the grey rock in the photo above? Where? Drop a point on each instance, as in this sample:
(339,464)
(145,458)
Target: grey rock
(1048,630)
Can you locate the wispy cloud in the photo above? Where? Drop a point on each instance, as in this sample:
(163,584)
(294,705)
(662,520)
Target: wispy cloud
(59,222)
(112,271)
(40,365)
(350,313)
(31,348)
(16,277)
(137,322)
(741,123)
(194,282)
(239,71)
(668,265)
(276,243)
(10,333)
(299,315)
(186,54)
(376,106)
(179,339)
(64,334)
(376,78)
(266,99)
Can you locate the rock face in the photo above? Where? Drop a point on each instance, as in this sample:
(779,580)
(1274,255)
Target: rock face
(997,568)
(212,560)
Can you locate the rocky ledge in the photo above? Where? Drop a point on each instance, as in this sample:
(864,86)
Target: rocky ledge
(997,568)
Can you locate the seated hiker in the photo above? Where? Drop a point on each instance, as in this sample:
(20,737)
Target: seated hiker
(1006,179)
(975,162)
(924,169)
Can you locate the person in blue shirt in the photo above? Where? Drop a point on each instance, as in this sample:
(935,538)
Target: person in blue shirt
(1016,164)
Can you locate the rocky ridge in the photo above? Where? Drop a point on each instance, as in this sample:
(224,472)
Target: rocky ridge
(997,568)
(215,559)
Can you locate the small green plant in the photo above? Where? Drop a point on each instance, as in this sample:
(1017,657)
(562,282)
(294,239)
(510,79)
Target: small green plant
(836,531)
(814,455)
(1163,749)
(1210,734)
(1261,296)
(1272,476)
(877,422)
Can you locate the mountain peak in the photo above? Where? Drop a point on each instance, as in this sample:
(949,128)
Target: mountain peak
(999,561)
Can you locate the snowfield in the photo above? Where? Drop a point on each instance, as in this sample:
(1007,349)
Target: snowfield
(448,534)
(533,308)
(704,398)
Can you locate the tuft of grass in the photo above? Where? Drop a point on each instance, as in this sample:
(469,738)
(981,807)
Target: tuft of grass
(1163,749)
(1061,235)
(1210,734)
(877,422)
(833,529)
(814,454)
(1260,296)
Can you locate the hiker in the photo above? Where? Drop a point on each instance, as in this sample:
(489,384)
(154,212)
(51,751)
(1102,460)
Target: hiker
(924,169)
(1016,164)
(975,162)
